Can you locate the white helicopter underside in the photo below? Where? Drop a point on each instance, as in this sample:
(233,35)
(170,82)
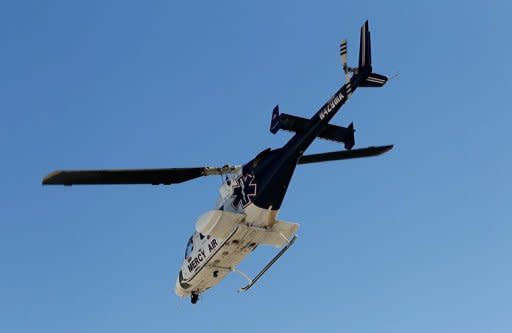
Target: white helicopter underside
(224,238)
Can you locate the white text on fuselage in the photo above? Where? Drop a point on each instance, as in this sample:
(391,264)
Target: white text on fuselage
(333,103)
(201,255)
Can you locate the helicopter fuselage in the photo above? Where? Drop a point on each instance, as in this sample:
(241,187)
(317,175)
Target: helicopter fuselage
(251,195)
(255,194)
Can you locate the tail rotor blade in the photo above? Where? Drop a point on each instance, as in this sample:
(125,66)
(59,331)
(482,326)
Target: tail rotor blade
(343,53)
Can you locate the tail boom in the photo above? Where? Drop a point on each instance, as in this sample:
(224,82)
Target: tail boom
(363,76)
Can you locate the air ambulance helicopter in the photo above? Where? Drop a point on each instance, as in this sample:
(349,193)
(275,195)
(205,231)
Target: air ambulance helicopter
(251,195)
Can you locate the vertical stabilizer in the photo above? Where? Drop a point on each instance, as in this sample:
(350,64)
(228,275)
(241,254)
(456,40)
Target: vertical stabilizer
(275,123)
(365,61)
(365,50)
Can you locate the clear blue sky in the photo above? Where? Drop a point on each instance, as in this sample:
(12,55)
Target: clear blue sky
(418,240)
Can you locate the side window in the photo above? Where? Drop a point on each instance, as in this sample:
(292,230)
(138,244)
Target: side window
(190,247)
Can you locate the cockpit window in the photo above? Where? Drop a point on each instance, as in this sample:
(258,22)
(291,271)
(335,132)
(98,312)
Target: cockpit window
(190,247)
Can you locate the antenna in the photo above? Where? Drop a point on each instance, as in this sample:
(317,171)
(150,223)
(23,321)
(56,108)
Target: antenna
(394,76)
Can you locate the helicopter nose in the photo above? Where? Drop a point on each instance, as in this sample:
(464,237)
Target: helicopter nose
(179,290)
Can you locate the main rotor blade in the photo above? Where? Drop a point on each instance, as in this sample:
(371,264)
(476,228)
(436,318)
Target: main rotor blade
(344,154)
(132,176)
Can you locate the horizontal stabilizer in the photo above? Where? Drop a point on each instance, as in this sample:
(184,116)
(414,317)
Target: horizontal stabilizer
(296,124)
(132,176)
(344,155)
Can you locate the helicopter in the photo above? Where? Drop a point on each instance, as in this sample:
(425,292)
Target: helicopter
(251,194)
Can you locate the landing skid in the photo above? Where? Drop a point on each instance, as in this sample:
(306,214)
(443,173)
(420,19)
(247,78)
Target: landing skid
(265,269)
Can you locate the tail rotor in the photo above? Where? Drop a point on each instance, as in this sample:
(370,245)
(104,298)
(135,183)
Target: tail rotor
(344,61)
(343,53)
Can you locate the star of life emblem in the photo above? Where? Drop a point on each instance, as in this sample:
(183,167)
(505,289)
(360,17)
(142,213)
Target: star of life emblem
(244,190)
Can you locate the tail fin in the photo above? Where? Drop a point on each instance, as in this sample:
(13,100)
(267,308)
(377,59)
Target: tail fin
(365,60)
(365,50)
(275,123)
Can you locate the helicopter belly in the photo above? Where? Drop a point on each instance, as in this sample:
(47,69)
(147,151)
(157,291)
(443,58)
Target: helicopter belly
(222,240)
(229,253)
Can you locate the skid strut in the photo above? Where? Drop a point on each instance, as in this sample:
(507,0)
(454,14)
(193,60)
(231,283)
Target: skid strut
(270,263)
